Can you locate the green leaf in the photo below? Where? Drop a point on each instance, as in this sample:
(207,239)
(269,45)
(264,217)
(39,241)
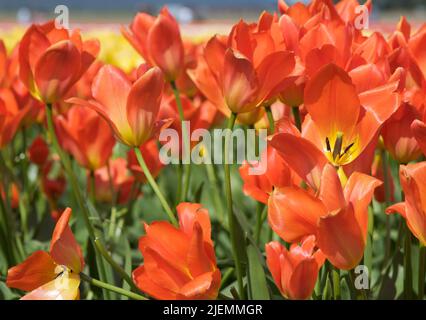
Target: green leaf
(256,275)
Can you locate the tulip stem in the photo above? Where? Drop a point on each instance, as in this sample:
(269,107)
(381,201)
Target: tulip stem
(422,271)
(231,218)
(386,182)
(107,286)
(92,187)
(270,119)
(261,209)
(296,116)
(155,187)
(78,195)
(114,264)
(185,142)
(408,280)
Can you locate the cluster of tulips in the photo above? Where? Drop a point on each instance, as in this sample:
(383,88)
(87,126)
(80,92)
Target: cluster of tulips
(345,110)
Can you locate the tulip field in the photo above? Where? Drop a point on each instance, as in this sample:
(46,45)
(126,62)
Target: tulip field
(282,159)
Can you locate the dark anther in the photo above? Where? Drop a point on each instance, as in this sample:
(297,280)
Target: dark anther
(338,146)
(327,142)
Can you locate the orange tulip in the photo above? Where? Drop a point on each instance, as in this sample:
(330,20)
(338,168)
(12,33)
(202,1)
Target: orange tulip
(277,174)
(87,136)
(53,275)
(238,77)
(413,209)
(295,271)
(122,183)
(52,60)
(11,116)
(338,217)
(158,41)
(398,136)
(340,125)
(130,108)
(185,270)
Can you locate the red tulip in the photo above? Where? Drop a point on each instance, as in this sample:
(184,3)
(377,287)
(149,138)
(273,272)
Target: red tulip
(130,108)
(52,60)
(185,270)
(159,42)
(38,152)
(87,136)
(295,271)
(53,275)
(398,136)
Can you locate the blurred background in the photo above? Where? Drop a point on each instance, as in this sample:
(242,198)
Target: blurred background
(186,11)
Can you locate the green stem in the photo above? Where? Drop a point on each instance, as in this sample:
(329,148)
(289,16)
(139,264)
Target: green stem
(91,188)
(185,140)
(211,175)
(387,186)
(231,218)
(270,119)
(112,288)
(408,280)
(101,249)
(179,180)
(155,187)
(296,115)
(422,271)
(261,209)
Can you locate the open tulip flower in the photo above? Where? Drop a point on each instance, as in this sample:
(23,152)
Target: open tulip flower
(130,108)
(337,217)
(185,270)
(52,60)
(53,275)
(341,123)
(295,271)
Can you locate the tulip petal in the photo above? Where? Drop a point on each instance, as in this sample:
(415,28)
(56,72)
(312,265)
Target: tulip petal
(191,213)
(340,238)
(293,213)
(143,104)
(64,249)
(56,71)
(332,102)
(303,279)
(62,288)
(145,283)
(419,131)
(331,191)
(359,191)
(36,270)
(301,155)
(199,286)
(239,82)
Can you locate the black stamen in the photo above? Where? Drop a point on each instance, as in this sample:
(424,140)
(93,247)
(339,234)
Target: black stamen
(327,142)
(348,147)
